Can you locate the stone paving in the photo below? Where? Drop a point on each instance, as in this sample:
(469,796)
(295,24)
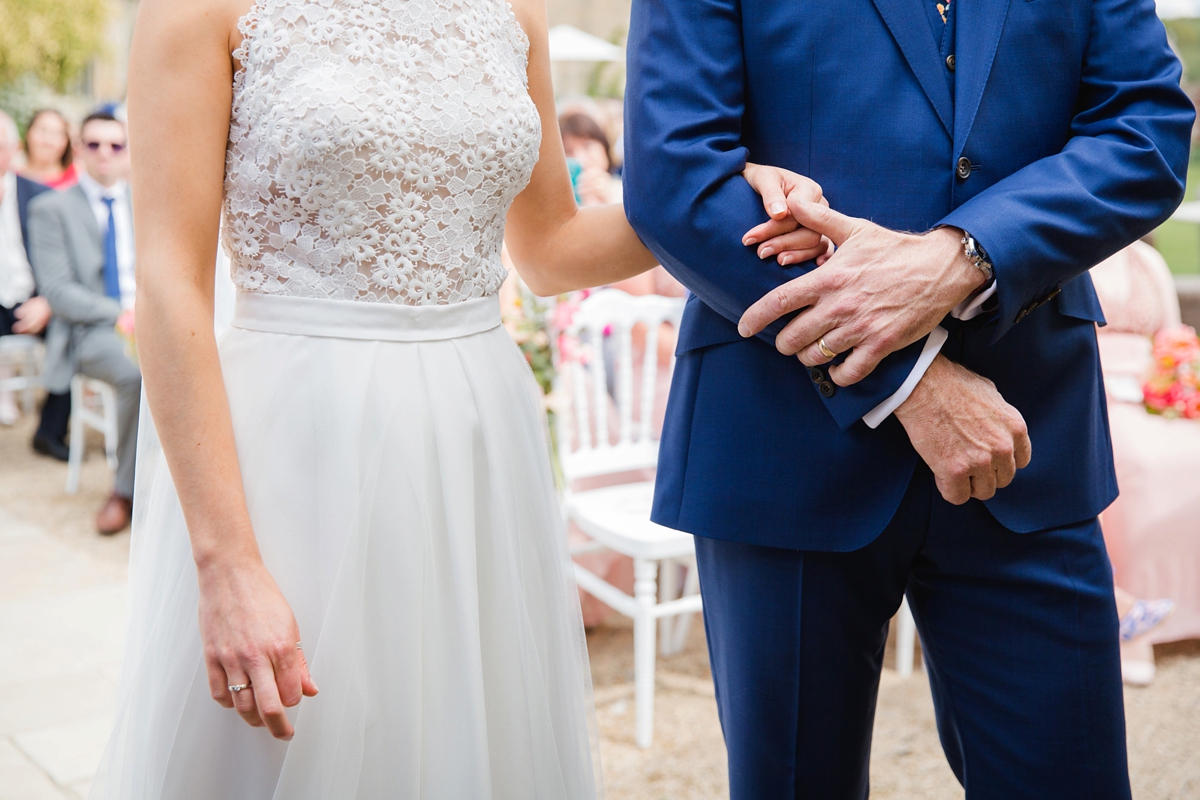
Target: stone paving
(61,618)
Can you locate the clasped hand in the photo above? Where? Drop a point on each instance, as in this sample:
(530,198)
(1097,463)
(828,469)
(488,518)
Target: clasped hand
(878,292)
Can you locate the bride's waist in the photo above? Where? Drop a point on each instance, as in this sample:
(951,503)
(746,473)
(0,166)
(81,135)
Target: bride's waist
(351,319)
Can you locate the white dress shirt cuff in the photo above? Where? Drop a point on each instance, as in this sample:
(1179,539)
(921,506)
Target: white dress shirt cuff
(972,307)
(933,346)
(968,309)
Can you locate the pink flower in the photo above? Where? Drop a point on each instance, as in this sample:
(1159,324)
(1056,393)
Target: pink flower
(125,323)
(1177,345)
(1191,406)
(564,313)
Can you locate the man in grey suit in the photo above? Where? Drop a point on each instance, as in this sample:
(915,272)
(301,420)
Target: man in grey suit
(81,249)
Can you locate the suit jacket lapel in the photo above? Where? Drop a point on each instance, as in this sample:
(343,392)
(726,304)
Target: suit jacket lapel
(977,34)
(83,209)
(910,29)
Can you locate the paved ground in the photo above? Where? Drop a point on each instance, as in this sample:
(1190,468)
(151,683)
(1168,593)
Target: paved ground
(61,616)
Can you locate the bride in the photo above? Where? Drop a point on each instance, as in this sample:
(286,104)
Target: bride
(352,489)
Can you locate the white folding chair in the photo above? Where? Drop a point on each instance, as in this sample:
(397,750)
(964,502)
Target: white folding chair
(618,517)
(93,405)
(21,357)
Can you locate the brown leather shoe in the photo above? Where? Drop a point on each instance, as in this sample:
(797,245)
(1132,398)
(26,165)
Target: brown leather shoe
(115,514)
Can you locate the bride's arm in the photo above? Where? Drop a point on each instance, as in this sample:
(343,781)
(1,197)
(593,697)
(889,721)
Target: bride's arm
(180,92)
(557,247)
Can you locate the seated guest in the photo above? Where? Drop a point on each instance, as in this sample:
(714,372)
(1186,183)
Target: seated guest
(81,248)
(1151,529)
(48,156)
(22,310)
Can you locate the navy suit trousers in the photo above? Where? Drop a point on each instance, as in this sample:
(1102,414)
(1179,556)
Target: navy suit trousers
(1019,634)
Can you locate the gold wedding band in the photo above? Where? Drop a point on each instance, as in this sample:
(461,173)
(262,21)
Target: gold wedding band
(824,348)
(237,687)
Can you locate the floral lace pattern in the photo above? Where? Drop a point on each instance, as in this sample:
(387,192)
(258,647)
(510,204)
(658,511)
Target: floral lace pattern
(375,147)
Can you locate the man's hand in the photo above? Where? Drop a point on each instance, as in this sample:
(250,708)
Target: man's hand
(32,316)
(972,440)
(879,292)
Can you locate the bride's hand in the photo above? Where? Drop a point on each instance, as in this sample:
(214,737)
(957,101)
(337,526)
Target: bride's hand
(781,236)
(250,637)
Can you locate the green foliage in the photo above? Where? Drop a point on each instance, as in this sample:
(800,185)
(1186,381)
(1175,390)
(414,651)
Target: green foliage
(1179,242)
(1185,36)
(607,79)
(51,40)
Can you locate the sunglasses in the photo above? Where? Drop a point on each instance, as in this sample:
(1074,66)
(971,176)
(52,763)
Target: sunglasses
(95,146)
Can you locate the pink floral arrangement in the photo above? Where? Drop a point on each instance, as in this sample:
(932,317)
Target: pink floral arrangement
(1173,388)
(124,328)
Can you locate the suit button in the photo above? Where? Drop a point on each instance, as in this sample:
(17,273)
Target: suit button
(963,170)
(950,62)
(827,389)
(817,374)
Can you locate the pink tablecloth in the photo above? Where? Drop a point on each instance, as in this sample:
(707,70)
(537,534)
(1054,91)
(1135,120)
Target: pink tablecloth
(1153,528)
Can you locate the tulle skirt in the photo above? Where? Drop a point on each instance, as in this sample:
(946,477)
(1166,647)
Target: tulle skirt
(397,476)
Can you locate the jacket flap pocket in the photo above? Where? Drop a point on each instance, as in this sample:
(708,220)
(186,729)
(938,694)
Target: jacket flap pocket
(703,327)
(1078,300)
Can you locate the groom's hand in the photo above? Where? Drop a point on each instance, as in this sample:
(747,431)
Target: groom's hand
(973,441)
(880,291)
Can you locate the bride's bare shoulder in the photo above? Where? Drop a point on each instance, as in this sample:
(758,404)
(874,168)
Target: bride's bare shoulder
(183,26)
(531,14)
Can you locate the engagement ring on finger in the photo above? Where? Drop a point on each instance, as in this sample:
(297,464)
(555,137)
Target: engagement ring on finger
(824,348)
(237,687)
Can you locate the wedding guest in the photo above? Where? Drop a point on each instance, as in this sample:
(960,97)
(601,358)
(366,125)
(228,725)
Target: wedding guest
(585,142)
(22,310)
(81,247)
(49,159)
(1150,529)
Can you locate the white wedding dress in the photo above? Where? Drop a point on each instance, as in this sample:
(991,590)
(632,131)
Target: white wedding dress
(389,434)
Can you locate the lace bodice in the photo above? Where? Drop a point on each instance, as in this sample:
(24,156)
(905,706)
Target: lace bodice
(375,147)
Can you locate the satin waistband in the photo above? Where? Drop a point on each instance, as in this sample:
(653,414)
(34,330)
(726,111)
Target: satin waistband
(348,319)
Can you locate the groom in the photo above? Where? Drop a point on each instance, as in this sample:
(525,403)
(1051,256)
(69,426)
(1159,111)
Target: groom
(873,447)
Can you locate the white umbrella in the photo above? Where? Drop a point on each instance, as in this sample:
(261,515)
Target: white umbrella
(1178,9)
(568,43)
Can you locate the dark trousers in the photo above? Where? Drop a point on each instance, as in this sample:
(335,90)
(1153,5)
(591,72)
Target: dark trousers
(1019,633)
(56,413)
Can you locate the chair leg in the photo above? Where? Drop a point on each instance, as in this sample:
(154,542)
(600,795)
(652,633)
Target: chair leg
(28,400)
(109,404)
(645,590)
(691,586)
(906,629)
(75,449)
(668,589)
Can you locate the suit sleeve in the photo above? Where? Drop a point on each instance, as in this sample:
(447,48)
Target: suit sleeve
(1118,177)
(684,191)
(56,279)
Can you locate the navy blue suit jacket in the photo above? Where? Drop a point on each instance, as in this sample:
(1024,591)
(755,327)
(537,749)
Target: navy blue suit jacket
(1072,117)
(26,191)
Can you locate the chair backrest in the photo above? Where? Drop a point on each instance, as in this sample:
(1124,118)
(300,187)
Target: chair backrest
(586,433)
(1136,291)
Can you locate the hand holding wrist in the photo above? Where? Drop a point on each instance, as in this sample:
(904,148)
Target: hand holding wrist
(879,292)
(972,440)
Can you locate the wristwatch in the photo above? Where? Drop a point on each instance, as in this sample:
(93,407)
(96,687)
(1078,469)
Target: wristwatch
(977,256)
